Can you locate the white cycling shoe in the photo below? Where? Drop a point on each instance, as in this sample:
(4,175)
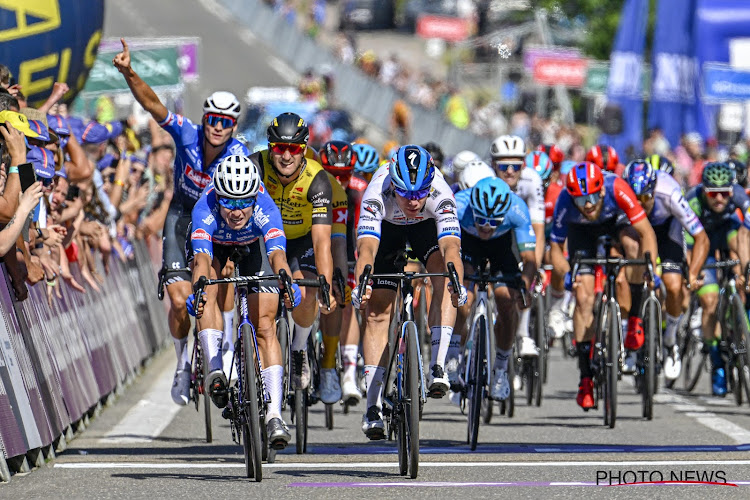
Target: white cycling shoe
(181,387)
(500,385)
(330,389)
(527,348)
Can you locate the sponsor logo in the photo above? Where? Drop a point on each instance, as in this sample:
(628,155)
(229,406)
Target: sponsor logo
(373,206)
(273,233)
(198,178)
(320,210)
(320,199)
(180,119)
(446,206)
(357,184)
(292,222)
(299,189)
(200,234)
(261,219)
(308,253)
(209,220)
(340,214)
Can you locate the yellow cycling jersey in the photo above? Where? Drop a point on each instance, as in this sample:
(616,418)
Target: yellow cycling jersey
(340,208)
(304,201)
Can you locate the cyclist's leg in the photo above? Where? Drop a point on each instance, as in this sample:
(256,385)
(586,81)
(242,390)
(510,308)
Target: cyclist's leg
(210,334)
(226,299)
(350,334)
(505,328)
(302,264)
(330,387)
(669,239)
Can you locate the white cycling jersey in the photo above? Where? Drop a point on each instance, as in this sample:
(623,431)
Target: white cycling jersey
(531,190)
(379,204)
(670,202)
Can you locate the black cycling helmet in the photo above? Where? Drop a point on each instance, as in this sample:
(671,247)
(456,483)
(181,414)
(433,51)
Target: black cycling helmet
(740,171)
(436,152)
(289,128)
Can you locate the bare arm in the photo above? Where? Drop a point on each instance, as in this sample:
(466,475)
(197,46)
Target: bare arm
(79,168)
(701,247)
(450,247)
(58,91)
(648,239)
(540,243)
(144,94)
(321,240)
(26,204)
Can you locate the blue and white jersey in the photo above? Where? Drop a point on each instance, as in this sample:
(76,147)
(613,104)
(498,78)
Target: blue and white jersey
(669,202)
(190,175)
(517,219)
(209,226)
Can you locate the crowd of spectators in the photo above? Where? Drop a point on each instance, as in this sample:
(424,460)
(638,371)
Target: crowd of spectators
(98,187)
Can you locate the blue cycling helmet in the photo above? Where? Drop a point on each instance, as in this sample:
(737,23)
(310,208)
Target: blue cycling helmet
(367,158)
(412,168)
(490,198)
(565,167)
(641,176)
(539,161)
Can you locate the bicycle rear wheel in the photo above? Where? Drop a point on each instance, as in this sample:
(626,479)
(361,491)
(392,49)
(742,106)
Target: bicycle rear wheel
(648,378)
(329,416)
(612,364)
(413,395)
(741,342)
(694,361)
(477,382)
(540,332)
(251,427)
(282,332)
(300,420)
(207,413)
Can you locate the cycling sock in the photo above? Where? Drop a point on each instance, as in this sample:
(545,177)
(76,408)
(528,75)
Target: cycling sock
(210,340)
(349,360)
(556,298)
(523,324)
(330,345)
(443,335)
(567,297)
(228,339)
(301,334)
(374,381)
(273,379)
(584,359)
(454,350)
(501,358)
(180,347)
(670,334)
(636,295)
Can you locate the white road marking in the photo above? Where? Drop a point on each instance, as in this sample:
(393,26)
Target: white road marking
(383,465)
(283,69)
(150,416)
(703,416)
(217,9)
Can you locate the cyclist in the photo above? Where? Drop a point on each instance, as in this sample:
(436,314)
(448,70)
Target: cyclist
(593,205)
(669,213)
(200,148)
(740,172)
(228,220)
(661,163)
(493,220)
(605,157)
(724,210)
(338,159)
(508,153)
(407,202)
(368,161)
(458,164)
(474,172)
(302,191)
(437,154)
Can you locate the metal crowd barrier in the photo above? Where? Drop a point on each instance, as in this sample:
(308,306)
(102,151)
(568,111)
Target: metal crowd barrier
(355,91)
(59,364)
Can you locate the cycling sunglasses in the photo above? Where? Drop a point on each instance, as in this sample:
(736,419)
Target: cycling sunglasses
(592,198)
(515,167)
(412,195)
(236,204)
(214,120)
(280,147)
(486,222)
(714,193)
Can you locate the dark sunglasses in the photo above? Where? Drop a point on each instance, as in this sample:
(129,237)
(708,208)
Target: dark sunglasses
(515,167)
(236,204)
(412,195)
(47,182)
(592,198)
(214,120)
(280,147)
(724,193)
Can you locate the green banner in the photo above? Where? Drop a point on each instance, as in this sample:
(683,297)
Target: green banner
(157,66)
(597,77)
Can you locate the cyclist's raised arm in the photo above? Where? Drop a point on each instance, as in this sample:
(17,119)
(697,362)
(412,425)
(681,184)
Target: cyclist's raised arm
(144,94)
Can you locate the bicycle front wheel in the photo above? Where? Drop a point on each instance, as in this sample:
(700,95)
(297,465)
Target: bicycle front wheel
(477,380)
(612,364)
(648,381)
(540,332)
(413,394)
(251,427)
(282,332)
(741,346)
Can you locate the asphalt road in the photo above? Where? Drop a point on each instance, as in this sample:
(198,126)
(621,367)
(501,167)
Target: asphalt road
(145,447)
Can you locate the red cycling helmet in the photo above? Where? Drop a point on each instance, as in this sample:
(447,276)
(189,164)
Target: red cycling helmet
(554,152)
(338,158)
(584,178)
(605,157)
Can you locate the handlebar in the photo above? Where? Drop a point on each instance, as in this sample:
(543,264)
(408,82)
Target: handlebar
(338,278)
(163,279)
(514,280)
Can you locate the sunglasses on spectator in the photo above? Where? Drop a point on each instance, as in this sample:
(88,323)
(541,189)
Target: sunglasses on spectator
(486,222)
(214,120)
(280,147)
(236,204)
(47,182)
(412,195)
(592,198)
(715,193)
(503,166)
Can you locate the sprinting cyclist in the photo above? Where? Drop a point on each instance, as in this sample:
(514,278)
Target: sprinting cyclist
(493,221)
(669,213)
(228,221)
(605,157)
(406,203)
(593,205)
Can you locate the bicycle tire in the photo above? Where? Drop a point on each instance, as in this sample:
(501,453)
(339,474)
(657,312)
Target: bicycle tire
(541,342)
(282,332)
(207,414)
(264,440)
(329,416)
(693,361)
(741,339)
(251,427)
(612,363)
(414,398)
(476,384)
(300,420)
(398,412)
(648,386)
(510,403)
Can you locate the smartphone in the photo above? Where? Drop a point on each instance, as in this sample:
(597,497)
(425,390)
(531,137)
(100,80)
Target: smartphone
(27,175)
(73,193)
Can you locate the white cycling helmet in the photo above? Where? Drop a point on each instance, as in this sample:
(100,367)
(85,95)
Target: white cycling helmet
(462,159)
(237,177)
(474,172)
(222,103)
(508,146)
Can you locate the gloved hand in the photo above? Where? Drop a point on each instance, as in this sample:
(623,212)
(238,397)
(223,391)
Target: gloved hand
(296,295)
(568,281)
(357,300)
(657,281)
(462,295)
(190,303)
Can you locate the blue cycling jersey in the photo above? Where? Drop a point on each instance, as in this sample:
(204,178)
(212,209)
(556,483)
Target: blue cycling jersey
(190,175)
(209,226)
(517,219)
